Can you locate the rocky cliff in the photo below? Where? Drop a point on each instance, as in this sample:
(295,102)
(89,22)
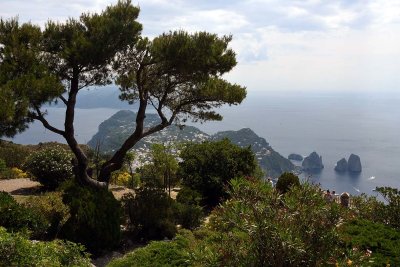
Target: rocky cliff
(313,162)
(354,163)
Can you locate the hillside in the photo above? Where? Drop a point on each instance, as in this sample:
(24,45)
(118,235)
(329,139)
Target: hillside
(113,131)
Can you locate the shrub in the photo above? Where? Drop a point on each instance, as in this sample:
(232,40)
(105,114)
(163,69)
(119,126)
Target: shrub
(259,227)
(124,178)
(151,213)
(188,196)
(51,166)
(368,207)
(189,212)
(208,167)
(15,217)
(286,181)
(189,216)
(95,217)
(382,240)
(13,173)
(52,208)
(14,155)
(17,250)
(159,253)
(3,165)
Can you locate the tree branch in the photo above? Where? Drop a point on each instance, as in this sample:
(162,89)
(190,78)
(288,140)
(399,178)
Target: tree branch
(63,99)
(39,116)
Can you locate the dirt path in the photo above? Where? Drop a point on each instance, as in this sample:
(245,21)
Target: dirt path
(19,186)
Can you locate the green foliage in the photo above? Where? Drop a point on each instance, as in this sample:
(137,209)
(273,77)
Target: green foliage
(189,216)
(95,217)
(286,181)
(368,207)
(392,209)
(15,217)
(151,213)
(3,165)
(259,227)
(52,208)
(51,166)
(13,154)
(189,212)
(159,254)
(195,64)
(188,196)
(382,240)
(17,250)
(208,167)
(37,65)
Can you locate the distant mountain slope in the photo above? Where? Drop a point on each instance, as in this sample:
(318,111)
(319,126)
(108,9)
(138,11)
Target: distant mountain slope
(270,160)
(113,132)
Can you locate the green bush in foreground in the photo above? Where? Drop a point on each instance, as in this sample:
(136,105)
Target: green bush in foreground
(52,208)
(17,250)
(51,166)
(257,227)
(95,217)
(16,217)
(159,254)
(382,240)
(151,214)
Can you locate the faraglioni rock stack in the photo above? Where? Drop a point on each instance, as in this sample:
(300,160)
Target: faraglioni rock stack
(341,165)
(354,163)
(313,162)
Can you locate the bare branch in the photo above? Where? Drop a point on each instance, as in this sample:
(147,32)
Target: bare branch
(63,99)
(39,116)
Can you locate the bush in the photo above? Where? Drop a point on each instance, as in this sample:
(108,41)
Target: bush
(208,167)
(286,181)
(159,253)
(188,196)
(17,250)
(259,227)
(15,217)
(382,240)
(52,208)
(13,173)
(95,217)
(14,155)
(189,212)
(51,166)
(189,216)
(3,165)
(151,214)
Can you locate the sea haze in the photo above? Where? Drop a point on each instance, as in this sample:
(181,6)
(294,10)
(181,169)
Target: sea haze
(332,124)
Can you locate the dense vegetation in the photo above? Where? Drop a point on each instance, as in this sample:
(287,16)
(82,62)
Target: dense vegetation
(254,224)
(231,215)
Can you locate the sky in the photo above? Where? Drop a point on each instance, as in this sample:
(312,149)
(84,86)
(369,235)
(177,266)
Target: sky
(284,46)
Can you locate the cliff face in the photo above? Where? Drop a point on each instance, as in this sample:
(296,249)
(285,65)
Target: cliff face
(313,162)
(354,164)
(341,165)
(113,132)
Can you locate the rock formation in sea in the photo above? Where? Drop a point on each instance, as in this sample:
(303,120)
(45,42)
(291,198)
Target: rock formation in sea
(296,157)
(354,163)
(341,165)
(313,162)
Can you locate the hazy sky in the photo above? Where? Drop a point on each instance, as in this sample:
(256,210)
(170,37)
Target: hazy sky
(281,45)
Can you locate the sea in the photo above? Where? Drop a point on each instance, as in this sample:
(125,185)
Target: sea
(333,124)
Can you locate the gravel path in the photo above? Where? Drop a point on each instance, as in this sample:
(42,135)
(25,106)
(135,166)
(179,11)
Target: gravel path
(18,186)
